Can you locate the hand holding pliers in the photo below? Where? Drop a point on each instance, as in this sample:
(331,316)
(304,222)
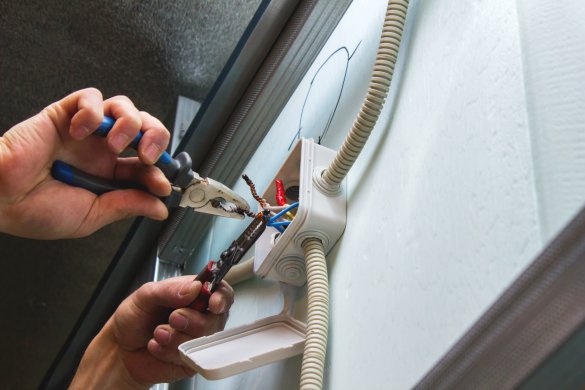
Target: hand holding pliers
(203,195)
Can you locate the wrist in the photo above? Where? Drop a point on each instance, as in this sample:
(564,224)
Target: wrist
(101,366)
(3,202)
(10,191)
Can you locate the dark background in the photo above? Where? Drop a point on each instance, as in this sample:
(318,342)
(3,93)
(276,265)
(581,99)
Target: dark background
(150,51)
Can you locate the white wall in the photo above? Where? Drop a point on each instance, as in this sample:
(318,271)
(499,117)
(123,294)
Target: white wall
(553,37)
(444,207)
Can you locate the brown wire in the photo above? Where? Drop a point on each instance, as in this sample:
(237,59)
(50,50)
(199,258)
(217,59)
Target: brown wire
(250,184)
(245,212)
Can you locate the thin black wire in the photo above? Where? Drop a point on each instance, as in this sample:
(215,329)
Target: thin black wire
(330,119)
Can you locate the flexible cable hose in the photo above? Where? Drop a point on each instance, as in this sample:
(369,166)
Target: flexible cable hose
(375,98)
(317,284)
(240,272)
(317,315)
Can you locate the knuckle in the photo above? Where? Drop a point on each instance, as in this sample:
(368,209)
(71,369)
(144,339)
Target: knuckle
(130,124)
(51,111)
(158,132)
(148,289)
(92,91)
(136,122)
(122,99)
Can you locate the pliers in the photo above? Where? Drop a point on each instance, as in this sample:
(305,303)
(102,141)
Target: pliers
(212,274)
(203,195)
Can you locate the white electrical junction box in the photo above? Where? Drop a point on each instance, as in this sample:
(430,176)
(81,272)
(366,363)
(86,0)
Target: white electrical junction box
(280,256)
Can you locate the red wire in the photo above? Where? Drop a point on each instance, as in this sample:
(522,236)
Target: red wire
(280,196)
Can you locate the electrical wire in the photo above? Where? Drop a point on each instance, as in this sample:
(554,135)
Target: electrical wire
(252,186)
(375,98)
(287,209)
(282,223)
(279,228)
(280,193)
(276,209)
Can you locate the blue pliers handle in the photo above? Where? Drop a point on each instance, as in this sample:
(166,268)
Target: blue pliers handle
(177,170)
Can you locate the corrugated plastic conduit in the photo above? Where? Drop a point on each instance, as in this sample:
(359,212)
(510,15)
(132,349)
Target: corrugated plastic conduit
(375,98)
(317,315)
(317,281)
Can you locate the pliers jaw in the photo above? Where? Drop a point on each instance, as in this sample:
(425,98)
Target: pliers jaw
(205,195)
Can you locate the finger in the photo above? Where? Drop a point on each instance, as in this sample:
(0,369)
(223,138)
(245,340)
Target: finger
(80,112)
(168,294)
(162,334)
(122,204)
(164,353)
(132,169)
(128,122)
(155,139)
(166,344)
(222,299)
(166,336)
(195,323)
(156,370)
(149,306)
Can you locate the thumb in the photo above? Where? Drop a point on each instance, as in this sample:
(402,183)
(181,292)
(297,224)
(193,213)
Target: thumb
(117,205)
(170,293)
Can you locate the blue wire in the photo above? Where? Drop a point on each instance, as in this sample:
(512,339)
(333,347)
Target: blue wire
(283,223)
(289,208)
(281,230)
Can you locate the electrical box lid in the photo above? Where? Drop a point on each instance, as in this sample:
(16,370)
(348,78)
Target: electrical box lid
(245,347)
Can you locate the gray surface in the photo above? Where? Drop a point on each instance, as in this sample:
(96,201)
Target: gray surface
(149,51)
(45,285)
(563,369)
(146,50)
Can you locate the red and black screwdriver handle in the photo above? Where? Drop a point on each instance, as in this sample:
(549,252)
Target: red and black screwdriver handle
(201,303)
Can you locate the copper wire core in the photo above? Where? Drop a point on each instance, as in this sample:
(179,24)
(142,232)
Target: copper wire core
(246,212)
(250,184)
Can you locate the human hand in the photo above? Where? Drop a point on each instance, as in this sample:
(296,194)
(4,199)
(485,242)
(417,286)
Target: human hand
(125,355)
(34,205)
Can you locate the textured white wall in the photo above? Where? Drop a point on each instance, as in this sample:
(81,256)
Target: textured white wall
(553,43)
(443,210)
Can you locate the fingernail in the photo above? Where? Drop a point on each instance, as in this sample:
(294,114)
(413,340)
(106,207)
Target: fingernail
(187,289)
(119,142)
(222,306)
(156,347)
(163,336)
(179,322)
(153,152)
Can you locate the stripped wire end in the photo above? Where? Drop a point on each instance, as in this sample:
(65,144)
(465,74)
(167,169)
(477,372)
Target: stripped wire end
(261,201)
(222,204)
(248,213)
(279,221)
